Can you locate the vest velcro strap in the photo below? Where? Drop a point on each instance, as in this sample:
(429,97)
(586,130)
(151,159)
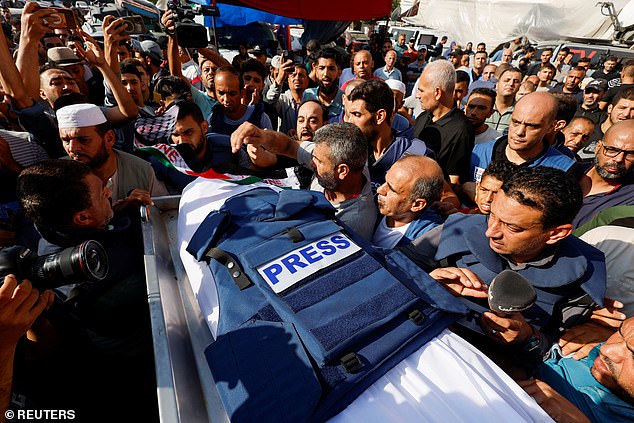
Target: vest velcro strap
(351,362)
(241,280)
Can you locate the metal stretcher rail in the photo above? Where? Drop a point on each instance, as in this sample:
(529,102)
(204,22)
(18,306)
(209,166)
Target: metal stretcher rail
(185,387)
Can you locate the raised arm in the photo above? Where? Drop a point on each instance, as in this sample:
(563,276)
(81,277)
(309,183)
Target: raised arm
(33,29)
(126,109)
(214,57)
(11,79)
(173,60)
(113,35)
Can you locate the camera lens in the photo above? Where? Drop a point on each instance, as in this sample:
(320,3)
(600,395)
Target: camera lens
(92,259)
(87,261)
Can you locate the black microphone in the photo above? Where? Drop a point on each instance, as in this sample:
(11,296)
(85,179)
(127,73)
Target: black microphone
(511,292)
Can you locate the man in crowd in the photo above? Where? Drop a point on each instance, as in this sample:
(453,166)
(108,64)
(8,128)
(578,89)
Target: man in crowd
(107,336)
(492,179)
(621,108)
(545,57)
(478,109)
(372,110)
(532,120)
(327,72)
(506,88)
(626,80)
(609,72)
(589,108)
(597,388)
(400,46)
(230,111)
(389,71)
(609,182)
(363,65)
(571,84)
(88,138)
(545,76)
(411,186)
(577,133)
(479,62)
(337,155)
(527,231)
(441,126)
(286,102)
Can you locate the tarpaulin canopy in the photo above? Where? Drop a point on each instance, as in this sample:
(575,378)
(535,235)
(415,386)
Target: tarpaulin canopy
(327,10)
(232,15)
(498,21)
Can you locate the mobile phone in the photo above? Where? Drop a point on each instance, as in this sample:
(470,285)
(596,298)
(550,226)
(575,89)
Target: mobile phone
(287,55)
(134,25)
(62,18)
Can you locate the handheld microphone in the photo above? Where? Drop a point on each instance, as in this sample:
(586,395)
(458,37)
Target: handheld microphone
(511,292)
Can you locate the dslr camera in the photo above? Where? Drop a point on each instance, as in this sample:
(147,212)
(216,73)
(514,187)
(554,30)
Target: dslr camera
(86,262)
(189,33)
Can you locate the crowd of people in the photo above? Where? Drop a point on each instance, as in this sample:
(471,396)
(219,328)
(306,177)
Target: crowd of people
(470,163)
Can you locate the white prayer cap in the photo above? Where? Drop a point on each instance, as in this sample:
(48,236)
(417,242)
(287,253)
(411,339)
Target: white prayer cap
(395,84)
(79,116)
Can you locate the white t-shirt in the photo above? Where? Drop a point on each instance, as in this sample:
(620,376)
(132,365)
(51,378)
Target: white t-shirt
(489,135)
(387,237)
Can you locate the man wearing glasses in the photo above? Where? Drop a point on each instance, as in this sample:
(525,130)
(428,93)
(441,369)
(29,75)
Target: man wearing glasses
(608,182)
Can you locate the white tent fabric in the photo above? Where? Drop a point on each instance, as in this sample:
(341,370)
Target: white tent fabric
(498,21)
(445,380)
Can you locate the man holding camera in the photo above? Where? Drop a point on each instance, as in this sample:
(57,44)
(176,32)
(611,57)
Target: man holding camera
(104,325)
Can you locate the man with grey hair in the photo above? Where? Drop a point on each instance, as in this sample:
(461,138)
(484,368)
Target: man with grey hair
(441,126)
(337,154)
(411,186)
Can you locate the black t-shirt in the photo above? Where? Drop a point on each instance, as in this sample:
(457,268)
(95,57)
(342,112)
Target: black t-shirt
(578,94)
(611,77)
(451,137)
(613,91)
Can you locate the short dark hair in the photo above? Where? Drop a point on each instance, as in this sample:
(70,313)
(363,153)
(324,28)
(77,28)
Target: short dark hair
(68,99)
(330,53)
(52,191)
(347,144)
(486,92)
(551,191)
(127,67)
(481,52)
(462,76)
(625,93)
(252,65)
(548,65)
(189,108)
(566,106)
(500,170)
(170,85)
(377,95)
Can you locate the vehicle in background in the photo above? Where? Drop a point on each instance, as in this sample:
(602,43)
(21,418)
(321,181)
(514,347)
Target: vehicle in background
(596,50)
(421,35)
